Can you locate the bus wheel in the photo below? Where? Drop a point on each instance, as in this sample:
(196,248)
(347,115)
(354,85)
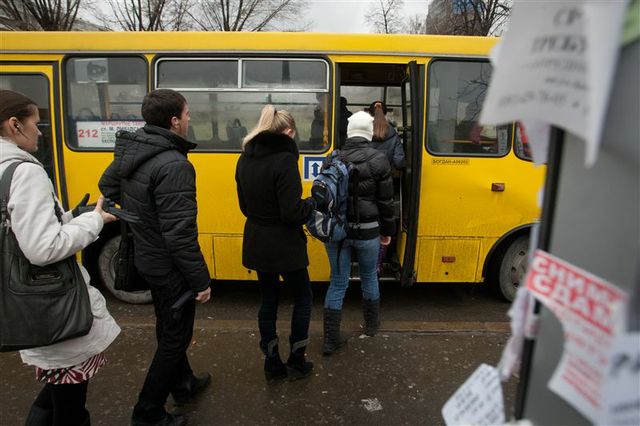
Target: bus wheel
(513,267)
(106,263)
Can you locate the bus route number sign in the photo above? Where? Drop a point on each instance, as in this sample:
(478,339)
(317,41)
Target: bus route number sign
(102,134)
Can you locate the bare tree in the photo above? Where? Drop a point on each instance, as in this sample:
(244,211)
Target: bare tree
(416,24)
(149,15)
(468,17)
(250,15)
(385,16)
(47,15)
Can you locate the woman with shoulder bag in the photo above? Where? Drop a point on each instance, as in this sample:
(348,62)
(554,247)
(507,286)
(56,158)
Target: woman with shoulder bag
(64,367)
(274,244)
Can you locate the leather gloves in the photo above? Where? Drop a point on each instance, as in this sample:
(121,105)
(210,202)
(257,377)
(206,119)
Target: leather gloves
(320,195)
(108,206)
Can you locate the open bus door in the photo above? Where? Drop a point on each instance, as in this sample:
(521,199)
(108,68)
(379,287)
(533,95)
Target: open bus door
(412,122)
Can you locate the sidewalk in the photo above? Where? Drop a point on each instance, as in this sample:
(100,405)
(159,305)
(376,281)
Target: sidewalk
(407,376)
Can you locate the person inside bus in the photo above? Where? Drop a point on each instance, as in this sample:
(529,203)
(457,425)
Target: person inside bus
(66,367)
(344,119)
(387,140)
(371,222)
(152,177)
(274,243)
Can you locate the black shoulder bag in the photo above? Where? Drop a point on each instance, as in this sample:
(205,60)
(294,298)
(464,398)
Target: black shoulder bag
(39,306)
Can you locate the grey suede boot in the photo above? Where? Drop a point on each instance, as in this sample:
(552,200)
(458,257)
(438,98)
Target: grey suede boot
(274,368)
(333,339)
(371,310)
(297,366)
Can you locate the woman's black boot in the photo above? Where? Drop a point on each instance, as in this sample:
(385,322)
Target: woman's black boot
(274,368)
(371,310)
(297,365)
(333,339)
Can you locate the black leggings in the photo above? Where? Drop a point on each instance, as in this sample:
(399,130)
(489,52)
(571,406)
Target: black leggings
(66,402)
(303,297)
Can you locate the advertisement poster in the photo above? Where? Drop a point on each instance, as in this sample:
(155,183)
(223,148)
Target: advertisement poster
(591,312)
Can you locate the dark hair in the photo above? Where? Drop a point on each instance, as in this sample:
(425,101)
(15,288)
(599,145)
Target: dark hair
(15,104)
(378,110)
(161,105)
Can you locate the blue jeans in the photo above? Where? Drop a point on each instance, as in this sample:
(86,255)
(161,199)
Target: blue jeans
(367,253)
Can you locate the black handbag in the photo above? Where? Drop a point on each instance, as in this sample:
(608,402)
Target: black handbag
(39,306)
(127,277)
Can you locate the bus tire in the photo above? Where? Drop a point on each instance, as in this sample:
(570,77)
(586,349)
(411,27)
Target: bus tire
(106,264)
(513,267)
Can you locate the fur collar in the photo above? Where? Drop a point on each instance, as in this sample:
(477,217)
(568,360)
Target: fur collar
(268,143)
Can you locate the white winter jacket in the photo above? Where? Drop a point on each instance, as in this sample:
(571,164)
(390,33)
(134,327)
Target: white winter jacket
(44,240)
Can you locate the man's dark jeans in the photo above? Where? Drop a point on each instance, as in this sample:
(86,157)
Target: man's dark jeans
(303,297)
(174,331)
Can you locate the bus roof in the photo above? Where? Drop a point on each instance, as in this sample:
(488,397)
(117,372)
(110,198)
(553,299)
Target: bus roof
(325,43)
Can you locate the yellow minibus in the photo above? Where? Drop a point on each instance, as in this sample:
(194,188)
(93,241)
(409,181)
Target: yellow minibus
(467,198)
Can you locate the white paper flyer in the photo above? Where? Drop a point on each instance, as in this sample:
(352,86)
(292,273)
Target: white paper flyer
(555,65)
(478,401)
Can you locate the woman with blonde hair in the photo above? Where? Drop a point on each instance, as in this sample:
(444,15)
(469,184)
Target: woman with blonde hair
(274,244)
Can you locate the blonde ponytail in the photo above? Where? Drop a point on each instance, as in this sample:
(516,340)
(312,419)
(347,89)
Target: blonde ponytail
(271,120)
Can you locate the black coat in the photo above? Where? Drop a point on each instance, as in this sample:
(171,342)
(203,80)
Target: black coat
(391,146)
(375,190)
(269,191)
(151,176)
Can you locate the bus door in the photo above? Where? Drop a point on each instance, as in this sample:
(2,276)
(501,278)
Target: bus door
(36,82)
(411,91)
(398,86)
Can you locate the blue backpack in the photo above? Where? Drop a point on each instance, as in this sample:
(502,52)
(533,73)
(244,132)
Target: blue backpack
(330,224)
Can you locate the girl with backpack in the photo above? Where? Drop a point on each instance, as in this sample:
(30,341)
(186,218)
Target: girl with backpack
(371,222)
(274,243)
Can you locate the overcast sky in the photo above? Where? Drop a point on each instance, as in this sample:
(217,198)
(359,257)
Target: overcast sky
(347,16)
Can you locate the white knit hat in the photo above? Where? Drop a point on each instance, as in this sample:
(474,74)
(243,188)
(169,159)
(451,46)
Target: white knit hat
(360,124)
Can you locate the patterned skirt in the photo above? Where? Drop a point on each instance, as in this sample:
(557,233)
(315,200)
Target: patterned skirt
(74,374)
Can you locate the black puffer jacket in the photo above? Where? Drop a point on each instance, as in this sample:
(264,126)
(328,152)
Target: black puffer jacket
(375,191)
(158,184)
(269,191)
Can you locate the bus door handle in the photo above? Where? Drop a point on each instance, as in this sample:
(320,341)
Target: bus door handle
(497,187)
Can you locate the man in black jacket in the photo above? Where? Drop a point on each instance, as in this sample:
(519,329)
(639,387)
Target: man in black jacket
(151,176)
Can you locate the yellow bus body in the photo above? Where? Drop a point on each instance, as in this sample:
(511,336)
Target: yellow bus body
(460,219)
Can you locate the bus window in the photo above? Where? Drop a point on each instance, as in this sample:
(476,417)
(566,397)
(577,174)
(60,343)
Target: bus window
(521,144)
(36,87)
(103,95)
(360,97)
(456,93)
(176,75)
(225,107)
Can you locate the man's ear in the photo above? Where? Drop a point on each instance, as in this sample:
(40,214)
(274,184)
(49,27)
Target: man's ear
(175,122)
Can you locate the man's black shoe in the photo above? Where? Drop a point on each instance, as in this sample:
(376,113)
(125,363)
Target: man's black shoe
(168,420)
(186,393)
